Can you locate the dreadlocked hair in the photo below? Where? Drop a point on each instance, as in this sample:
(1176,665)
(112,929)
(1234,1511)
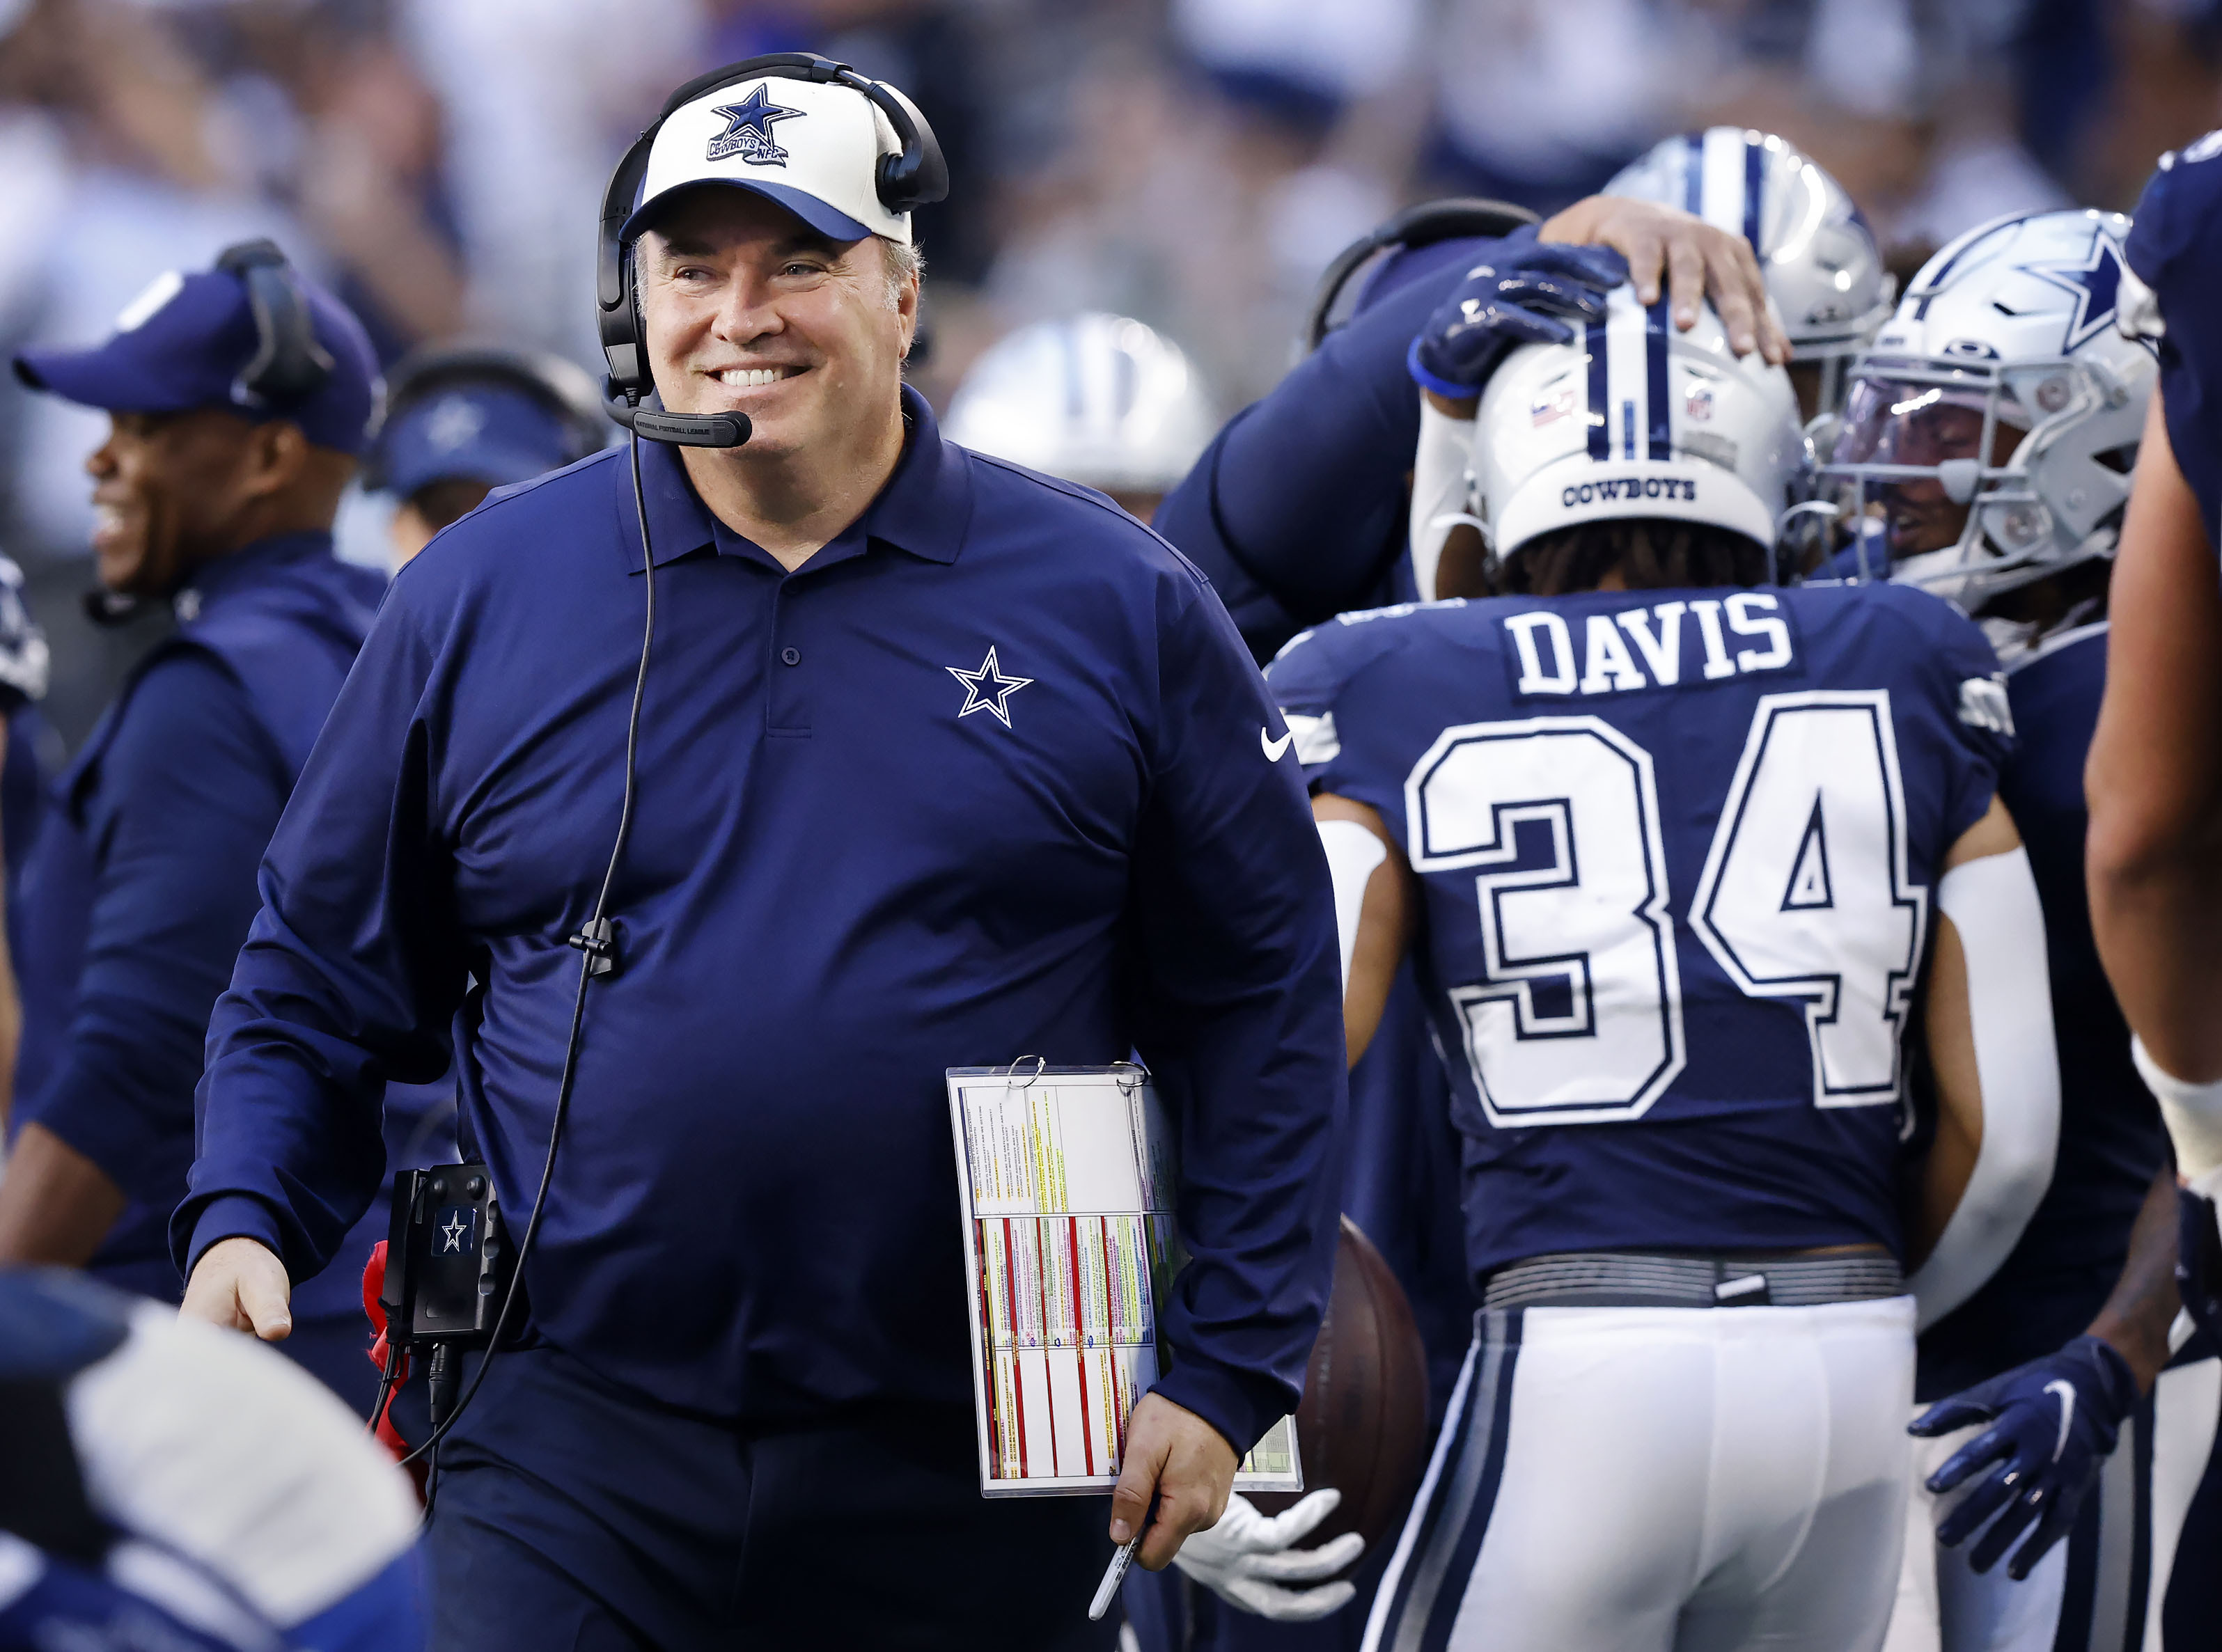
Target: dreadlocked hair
(1650,552)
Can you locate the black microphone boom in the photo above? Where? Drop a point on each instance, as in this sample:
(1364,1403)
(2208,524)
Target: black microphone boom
(681,430)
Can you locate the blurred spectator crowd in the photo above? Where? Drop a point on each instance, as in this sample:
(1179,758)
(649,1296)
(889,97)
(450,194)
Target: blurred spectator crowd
(1193,163)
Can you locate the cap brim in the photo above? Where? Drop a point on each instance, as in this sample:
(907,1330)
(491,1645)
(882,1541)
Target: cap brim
(91,377)
(496,464)
(827,221)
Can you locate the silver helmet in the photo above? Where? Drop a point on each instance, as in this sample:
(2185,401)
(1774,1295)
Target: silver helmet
(1822,268)
(2006,387)
(1097,399)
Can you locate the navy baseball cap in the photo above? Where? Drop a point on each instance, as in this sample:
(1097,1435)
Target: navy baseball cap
(194,340)
(463,413)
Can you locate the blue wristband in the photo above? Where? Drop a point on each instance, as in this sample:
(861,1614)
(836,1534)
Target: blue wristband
(1427,380)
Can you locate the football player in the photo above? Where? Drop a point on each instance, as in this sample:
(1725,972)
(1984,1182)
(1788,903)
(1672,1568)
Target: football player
(1988,438)
(1100,400)
(2155,780)
(1670,849)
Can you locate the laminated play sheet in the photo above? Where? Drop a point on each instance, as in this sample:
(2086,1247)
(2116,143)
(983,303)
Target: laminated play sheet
(1067,1177)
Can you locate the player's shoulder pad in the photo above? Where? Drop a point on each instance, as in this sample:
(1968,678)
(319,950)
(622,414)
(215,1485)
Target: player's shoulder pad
(1314,665)
(2179,217)
(1944,646)
(2079,642)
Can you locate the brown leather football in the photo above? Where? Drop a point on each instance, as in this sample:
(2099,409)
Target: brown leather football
(1363,1426)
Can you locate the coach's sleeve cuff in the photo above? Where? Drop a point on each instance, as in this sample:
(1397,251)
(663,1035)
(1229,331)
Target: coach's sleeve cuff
(233,1216)
(1241,1407)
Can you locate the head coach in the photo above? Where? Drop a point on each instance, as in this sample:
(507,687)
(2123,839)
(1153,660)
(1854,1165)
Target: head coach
(939,762)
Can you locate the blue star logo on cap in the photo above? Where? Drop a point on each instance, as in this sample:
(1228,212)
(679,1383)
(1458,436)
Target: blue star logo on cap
(748,134)
(2095,282)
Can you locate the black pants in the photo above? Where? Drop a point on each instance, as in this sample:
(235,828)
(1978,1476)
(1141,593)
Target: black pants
(573,1516)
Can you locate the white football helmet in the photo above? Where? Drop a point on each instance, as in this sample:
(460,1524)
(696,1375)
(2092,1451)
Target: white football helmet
(2004,384)
(1633,418)
(1824,271)
(1096,399)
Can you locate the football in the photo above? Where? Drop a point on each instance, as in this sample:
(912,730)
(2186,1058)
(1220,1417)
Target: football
(1363,1426)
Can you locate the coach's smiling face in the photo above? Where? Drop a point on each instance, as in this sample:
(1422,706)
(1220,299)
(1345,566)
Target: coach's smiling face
(747,309)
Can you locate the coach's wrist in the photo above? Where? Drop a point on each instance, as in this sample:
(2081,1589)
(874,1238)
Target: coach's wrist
(1229,1400)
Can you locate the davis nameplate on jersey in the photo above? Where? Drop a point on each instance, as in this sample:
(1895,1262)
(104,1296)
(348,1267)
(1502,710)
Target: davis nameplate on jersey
(749,135)
(1642,647)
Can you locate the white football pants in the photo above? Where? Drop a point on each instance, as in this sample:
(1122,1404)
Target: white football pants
(1943,1605)
(1662,1479)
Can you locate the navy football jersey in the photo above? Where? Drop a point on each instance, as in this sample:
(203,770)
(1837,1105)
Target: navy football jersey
(1677,851)
(2176,247)
(2111,1143)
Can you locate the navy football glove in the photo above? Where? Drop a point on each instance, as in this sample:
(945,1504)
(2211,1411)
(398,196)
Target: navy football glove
(2199,1260)
(2053,1422)
(1527,299)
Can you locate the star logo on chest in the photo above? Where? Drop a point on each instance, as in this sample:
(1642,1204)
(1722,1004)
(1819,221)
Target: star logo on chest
(988,688)
(454,1232)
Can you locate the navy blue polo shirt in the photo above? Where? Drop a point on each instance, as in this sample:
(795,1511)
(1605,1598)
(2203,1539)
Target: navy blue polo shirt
(140,884)
(990,776)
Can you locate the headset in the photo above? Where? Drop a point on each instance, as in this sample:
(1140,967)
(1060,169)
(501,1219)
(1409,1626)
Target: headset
(914,176)
(288,362)
(1422,225)
(557,385)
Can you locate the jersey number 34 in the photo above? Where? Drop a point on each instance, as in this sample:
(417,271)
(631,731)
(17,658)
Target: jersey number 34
(1803,897)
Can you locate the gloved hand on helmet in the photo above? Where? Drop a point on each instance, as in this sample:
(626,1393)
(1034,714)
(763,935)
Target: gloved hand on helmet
(1531,298)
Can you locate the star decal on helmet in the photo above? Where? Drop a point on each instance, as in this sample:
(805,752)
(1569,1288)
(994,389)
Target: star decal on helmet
(2095,282)
(748,134)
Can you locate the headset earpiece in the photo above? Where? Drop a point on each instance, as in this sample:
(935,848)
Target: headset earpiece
(288,362)
(916,175)
(1422,225)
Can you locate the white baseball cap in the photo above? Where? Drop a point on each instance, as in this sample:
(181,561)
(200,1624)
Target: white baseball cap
(813,147)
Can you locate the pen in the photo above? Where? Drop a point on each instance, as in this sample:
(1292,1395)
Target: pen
(1114,1575)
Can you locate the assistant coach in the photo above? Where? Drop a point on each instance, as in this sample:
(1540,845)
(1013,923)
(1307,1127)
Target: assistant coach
(941,763)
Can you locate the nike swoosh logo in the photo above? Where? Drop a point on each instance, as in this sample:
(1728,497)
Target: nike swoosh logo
(2065,1390)
(1272,747)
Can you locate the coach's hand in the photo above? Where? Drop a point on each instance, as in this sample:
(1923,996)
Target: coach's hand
(2053,1422)
(1533,297)
(1250,1560)
(1697,260)
(241,1284)
(1181,1460)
